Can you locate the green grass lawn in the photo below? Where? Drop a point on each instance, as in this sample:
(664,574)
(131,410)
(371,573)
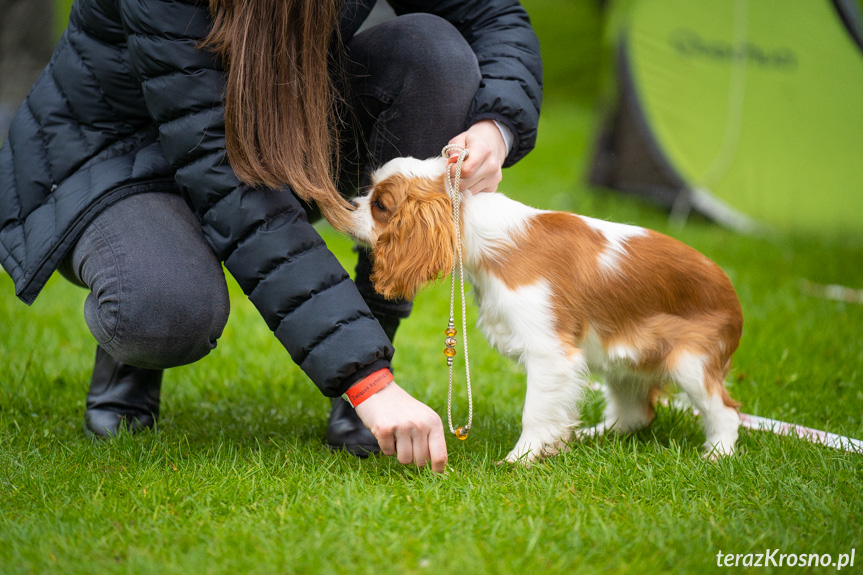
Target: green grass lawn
(237,479)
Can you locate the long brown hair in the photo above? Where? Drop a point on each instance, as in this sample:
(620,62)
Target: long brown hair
(280,120)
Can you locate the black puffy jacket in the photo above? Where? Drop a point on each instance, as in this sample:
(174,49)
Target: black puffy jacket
(129,104)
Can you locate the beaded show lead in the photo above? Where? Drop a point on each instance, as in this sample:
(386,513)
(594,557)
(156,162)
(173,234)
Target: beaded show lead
(452,188)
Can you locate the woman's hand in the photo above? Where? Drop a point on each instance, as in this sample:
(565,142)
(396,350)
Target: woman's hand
(481,171)
(406,427)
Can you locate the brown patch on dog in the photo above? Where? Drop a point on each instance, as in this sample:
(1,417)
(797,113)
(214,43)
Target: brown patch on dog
(416,239)
(666,300)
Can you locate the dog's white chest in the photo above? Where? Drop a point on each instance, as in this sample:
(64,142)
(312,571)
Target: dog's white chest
(516,321)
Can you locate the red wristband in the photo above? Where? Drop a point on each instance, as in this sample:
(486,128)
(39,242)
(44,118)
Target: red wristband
(367,387)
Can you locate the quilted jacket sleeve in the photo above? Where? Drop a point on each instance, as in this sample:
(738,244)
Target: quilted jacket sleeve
(500,34)
(262,235)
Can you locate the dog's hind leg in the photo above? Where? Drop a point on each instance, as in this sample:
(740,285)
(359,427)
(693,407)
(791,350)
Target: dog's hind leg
(555,384)
(629,401)
(706,390)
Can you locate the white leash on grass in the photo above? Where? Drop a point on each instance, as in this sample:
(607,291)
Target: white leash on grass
(758,423)
(833,440)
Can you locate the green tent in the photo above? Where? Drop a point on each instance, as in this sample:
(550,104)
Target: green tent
(749,111)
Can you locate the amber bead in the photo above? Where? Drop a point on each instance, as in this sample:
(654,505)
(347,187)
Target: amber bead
(449,352)
(461,433)
(450,332)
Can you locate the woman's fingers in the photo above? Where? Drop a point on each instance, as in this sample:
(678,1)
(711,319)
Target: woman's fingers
(482,169)
(405,427)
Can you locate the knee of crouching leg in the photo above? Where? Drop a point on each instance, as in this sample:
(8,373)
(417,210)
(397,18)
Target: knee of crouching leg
(169,326)
(433,49)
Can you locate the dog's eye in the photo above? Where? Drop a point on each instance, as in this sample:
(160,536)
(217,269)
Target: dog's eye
(378,205)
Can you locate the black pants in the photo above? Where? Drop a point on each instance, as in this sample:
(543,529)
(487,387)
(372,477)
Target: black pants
(158,296)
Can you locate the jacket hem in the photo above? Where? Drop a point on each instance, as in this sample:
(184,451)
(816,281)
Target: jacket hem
(360,374)
(31,287)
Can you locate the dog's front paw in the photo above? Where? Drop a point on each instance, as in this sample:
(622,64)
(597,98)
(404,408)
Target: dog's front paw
(527,452)
(524,458)
(715,452)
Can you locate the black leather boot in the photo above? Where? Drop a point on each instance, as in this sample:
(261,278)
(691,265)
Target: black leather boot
(345,429)
(121,397)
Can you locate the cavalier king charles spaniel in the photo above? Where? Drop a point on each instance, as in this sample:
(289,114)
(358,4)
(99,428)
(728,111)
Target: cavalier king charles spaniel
(565,295)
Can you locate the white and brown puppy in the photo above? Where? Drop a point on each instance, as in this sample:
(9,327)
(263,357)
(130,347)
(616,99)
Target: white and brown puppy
(565,295)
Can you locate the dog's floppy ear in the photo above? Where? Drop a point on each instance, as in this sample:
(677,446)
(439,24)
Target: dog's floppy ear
(416,247)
